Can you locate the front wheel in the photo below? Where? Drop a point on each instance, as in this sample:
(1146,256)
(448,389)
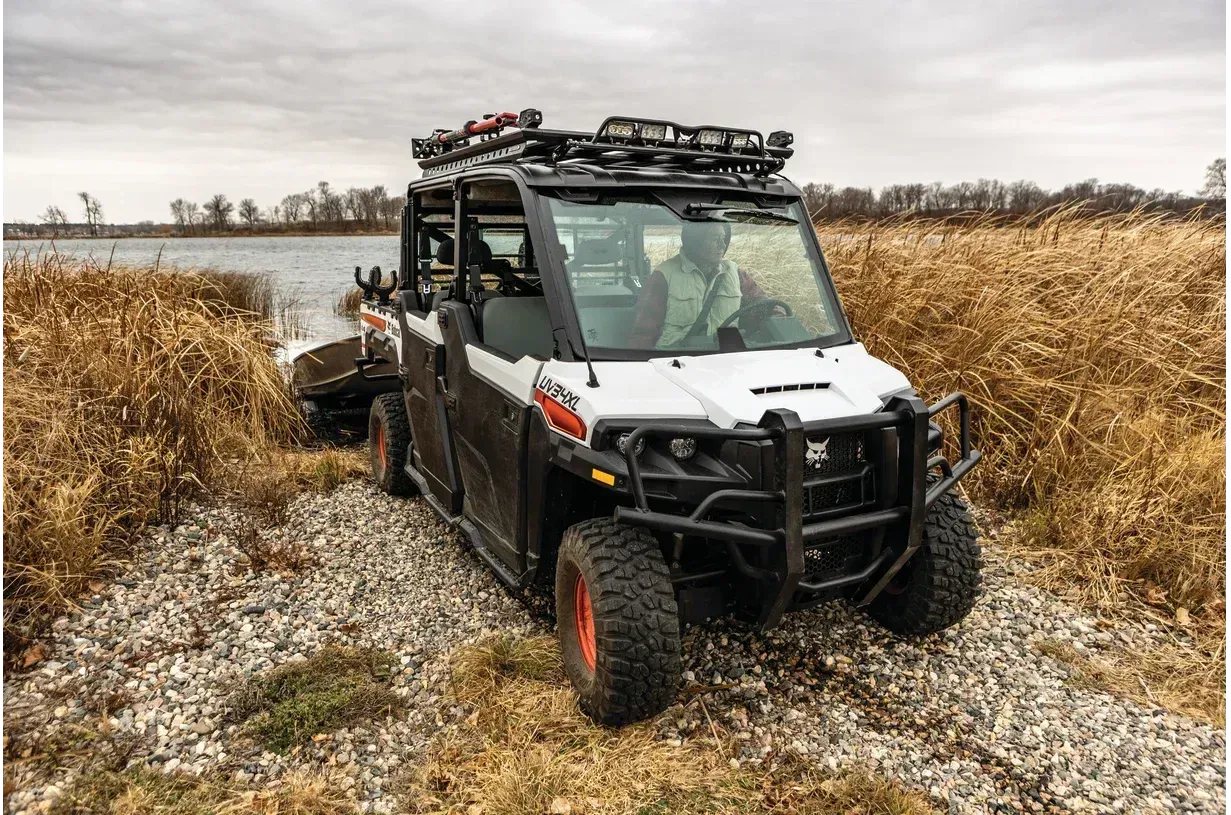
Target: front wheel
(937,587)
(618,622)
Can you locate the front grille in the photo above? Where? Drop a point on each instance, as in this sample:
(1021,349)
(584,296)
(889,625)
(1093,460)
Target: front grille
(829,456)
(821,497)
(825,455)
(832,556)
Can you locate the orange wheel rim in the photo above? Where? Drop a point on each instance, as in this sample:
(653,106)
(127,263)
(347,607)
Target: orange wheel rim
(583,619)
(380,445)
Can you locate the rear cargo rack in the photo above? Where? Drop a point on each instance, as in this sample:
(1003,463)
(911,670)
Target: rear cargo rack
(621,141)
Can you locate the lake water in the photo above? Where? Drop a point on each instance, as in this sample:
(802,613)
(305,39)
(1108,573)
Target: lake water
(314,271)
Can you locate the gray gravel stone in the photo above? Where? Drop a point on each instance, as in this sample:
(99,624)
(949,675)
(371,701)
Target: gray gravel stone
(974,716)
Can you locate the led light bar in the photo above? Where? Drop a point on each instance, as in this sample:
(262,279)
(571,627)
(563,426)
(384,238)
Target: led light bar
(711,138)
(621,130)
(739,141)
(653,132)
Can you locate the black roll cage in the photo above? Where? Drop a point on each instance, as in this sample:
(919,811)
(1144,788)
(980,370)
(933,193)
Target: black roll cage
(534,182)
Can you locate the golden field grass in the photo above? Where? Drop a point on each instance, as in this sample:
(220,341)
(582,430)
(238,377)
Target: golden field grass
(525,748)
(126,390)
(1094,353)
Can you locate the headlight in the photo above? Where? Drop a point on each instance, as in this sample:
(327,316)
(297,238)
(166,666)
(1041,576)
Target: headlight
(683,448)
(621,444)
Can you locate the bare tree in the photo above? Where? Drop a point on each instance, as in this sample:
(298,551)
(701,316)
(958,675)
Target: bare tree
(179,213)
(292,208)
(218,209)
(311,205)
(273,214)
(93,211)
(391,209)
(192,215)
(352,203)
(1215,179)
(55,218)
(1025,196)
(249,212)
(329,203)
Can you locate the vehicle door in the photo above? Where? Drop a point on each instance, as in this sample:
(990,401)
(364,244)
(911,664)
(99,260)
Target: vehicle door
(496,339)
(429,220)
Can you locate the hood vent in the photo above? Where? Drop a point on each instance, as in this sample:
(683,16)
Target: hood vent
(803,386)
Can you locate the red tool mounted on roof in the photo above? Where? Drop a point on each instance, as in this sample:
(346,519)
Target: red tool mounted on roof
(442,141)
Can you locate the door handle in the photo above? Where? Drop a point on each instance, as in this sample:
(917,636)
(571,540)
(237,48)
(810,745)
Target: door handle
(450,399)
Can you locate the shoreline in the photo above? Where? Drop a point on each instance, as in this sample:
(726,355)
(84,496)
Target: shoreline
(45,239)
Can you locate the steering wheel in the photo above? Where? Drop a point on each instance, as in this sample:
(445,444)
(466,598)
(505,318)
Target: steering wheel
(755,306)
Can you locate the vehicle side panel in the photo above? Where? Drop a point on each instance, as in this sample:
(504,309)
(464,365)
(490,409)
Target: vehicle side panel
(423,365)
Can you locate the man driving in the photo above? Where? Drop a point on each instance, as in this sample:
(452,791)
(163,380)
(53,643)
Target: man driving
(692,293)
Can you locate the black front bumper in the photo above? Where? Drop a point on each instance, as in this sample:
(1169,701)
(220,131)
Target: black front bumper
(901,461)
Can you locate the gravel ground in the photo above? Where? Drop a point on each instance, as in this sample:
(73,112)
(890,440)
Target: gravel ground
(974,716)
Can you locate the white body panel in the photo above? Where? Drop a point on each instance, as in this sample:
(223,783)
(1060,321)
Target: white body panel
(719,387)
(391,330)
(514,378)
(426,327)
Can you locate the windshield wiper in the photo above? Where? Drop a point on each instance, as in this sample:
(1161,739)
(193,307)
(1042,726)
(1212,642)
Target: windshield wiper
(724,212)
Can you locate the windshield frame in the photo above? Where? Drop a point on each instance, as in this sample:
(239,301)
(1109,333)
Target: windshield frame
(554,255)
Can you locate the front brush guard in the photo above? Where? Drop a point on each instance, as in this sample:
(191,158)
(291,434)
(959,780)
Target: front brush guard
(904,420)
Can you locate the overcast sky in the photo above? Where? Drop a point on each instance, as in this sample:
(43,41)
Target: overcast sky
(142,102)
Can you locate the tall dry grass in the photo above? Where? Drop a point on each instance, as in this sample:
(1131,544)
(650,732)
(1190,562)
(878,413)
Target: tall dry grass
(126,390)
(1094,353)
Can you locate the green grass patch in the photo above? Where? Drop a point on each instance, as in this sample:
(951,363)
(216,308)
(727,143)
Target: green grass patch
(287,705)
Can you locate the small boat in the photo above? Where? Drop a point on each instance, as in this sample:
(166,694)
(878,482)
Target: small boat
(325,375)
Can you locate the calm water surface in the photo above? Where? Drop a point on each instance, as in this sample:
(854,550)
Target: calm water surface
(313,271)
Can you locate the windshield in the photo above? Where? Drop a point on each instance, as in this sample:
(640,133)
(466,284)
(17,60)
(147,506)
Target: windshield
(725,276)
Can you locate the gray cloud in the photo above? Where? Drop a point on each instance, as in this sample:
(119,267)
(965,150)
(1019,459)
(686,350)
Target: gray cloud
(140,102)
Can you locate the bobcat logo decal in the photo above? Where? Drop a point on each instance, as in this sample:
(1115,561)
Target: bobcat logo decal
(817,453)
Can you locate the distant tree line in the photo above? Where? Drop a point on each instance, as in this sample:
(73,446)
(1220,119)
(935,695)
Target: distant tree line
(324,209)
(826,201)
(320,209)
(55,219)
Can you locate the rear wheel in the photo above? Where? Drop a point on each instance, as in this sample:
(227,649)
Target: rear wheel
(618,622)
(388,440)
(937,587)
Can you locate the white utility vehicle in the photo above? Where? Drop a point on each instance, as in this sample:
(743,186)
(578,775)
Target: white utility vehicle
(622,367)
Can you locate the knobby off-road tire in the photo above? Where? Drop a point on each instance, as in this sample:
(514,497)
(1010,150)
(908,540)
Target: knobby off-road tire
(630,668)
(940,584)
(388,438)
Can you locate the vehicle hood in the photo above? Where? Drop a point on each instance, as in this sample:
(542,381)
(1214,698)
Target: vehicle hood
(727,389)
(735,388)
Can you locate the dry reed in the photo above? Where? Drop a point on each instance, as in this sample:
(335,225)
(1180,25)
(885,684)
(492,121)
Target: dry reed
(1094,353)
(526,748)
(148,792)
(348,303)
(126,390)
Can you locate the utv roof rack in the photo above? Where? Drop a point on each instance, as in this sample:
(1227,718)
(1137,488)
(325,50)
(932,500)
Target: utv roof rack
(621,141)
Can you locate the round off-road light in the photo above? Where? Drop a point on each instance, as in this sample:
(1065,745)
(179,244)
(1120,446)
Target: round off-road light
(622,444)
(683,448)
(621,130)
